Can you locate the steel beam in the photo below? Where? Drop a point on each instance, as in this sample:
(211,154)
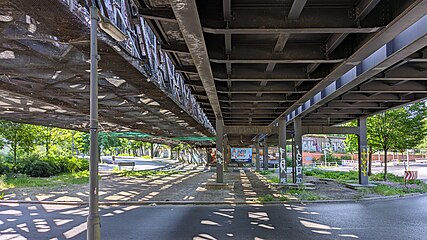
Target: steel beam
(296,9)
(161,14)
(245,130)
(362,9)
(189,23)
(329,130)
(268,79)
(404,36)
(276,61)
(289,30)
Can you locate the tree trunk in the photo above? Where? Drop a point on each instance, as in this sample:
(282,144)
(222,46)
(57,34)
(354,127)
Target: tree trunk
(14,153)
(14,148)
(370,161)
(47,148)
(385,164)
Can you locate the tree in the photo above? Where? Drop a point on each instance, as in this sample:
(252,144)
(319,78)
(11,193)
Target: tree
(401,128)
(17,136)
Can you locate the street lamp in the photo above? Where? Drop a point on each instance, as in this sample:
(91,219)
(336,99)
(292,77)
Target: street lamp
(93,222)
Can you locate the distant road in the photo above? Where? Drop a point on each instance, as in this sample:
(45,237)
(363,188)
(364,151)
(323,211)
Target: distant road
(140,163)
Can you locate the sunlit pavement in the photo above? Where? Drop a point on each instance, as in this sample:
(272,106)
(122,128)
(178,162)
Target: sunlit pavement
(394,219)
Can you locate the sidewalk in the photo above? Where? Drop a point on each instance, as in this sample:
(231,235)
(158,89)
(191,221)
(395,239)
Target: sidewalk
(186,186)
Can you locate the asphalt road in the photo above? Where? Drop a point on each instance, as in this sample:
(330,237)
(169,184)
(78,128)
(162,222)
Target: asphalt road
(393,219)
(140,163)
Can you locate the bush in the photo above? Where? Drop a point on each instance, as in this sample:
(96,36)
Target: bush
(36,166)
(40,168)
(5,168)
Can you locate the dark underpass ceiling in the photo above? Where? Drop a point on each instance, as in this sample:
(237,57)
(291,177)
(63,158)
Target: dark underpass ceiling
(269,57)
(247,62)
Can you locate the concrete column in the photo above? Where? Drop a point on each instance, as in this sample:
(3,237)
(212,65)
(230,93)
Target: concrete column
(219,150)
(282,151)
(363,152)
(152,150)
(298,151)
(226,155)
(258,163)
(209,155)
(265,154)
(293,158)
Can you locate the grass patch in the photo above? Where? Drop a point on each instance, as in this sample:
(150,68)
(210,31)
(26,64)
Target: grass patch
(337,175)
(303,194)
(266,198)
(270,198)
(142,173)
(1,196)
(24,181)
(265,172)
(274,179)
(386,190)
(353,176)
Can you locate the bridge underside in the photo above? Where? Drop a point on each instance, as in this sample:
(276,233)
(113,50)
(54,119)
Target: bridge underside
(267,59)
(44,77)
(246,63)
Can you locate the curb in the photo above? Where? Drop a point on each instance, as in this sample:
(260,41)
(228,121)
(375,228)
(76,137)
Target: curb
(144,203)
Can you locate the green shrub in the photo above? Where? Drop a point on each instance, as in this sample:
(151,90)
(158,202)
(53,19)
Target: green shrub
(266,198)
(36,166)
(40,168)
(302,194)
(5,168)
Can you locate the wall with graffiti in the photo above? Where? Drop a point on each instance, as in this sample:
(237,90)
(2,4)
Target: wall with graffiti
(319,143)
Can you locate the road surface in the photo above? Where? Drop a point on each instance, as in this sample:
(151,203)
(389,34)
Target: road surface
(140,163)
(393,219)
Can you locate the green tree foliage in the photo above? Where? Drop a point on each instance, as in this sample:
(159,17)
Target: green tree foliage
(397,129)
(17,136)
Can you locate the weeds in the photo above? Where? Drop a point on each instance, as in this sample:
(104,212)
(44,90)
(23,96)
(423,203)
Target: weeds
(270,198)
(303,194)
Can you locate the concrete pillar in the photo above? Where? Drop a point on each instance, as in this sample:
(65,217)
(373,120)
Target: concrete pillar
(298,151)
(226,155)
(209,155)
(363,152)
(282,151)
(293,158)
(265,154)
(152,150)
(219,150)
(258,157)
